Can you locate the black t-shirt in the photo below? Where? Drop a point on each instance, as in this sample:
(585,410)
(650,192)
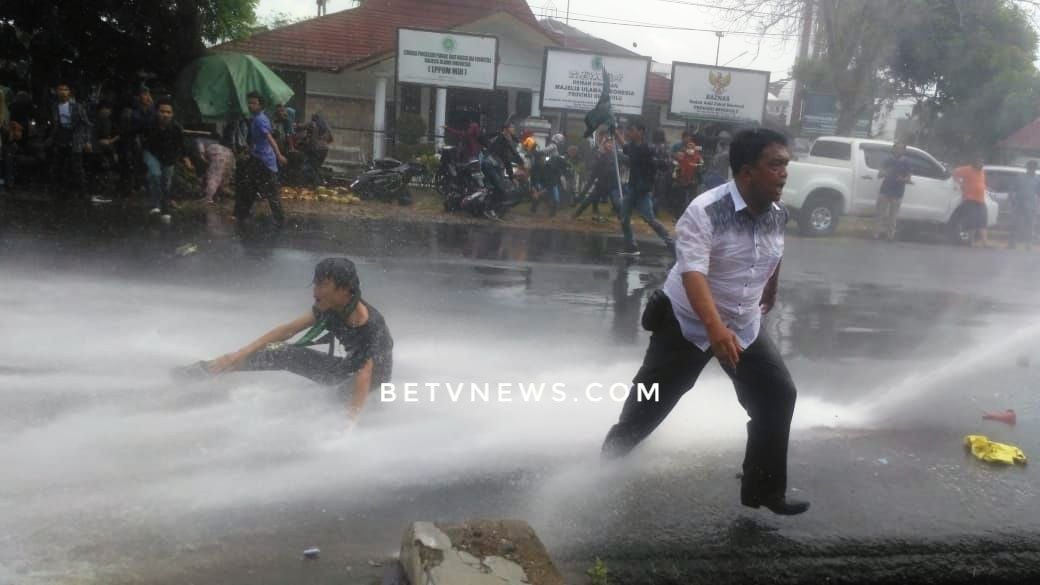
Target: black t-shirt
(642,168)
(369,341)
(896,168)
(503,148)
(104,129)
(166,144)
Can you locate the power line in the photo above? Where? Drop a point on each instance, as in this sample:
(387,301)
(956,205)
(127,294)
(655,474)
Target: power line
(728,9)
(684,28)
(600,19)
(595,19)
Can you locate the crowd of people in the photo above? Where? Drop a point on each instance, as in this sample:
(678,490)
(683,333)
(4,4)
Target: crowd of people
(652,173)
(655,175)
(94,150)
(1024,199)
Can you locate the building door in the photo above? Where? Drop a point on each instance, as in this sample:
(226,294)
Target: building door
(489,109)
(297,81)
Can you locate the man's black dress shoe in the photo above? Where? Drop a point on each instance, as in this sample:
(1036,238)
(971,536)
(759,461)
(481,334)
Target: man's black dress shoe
(777,505)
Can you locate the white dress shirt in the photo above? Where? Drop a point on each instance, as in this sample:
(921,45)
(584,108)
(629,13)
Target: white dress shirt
(737,252)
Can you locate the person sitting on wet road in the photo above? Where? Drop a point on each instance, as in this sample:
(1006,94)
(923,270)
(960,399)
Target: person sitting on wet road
(729,247)
(339,310)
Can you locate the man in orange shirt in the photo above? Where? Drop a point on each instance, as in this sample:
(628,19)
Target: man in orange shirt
(973,187)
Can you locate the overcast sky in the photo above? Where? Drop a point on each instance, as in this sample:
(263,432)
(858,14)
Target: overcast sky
(772,54)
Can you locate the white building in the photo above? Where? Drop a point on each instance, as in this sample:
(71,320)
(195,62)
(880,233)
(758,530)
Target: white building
(343,65)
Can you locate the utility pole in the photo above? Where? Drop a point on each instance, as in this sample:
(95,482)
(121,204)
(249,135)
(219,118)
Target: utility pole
(718,45)
(567,18)
(798,95)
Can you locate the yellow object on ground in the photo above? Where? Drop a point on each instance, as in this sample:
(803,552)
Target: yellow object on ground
(994,452)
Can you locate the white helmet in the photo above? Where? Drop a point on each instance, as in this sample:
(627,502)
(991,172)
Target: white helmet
(558,139)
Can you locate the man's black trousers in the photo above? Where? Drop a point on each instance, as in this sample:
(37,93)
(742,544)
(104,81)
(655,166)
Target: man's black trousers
(763,384)
(316,365)
(254,178)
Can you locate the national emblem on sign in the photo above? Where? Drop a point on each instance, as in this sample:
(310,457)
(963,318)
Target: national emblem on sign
(720,81)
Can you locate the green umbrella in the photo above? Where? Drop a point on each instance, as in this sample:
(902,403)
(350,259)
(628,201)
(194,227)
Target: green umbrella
(219,83)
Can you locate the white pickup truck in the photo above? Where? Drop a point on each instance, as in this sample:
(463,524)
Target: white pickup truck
(840,177)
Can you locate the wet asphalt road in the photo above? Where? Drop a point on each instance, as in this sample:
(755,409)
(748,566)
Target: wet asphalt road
(113,474)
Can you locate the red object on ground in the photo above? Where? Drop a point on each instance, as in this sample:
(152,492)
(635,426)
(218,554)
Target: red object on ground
(1007,416)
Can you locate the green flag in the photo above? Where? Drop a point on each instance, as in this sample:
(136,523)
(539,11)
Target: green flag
(601,114)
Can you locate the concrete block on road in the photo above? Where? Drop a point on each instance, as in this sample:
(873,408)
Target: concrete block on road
(481,552)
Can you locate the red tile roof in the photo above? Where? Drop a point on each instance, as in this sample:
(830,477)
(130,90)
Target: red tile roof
(342,39)
(1026,138)
(574,38)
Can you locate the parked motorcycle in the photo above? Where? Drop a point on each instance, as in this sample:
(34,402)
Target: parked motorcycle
(387,180)
(463,185)
(447,174)
(468,191)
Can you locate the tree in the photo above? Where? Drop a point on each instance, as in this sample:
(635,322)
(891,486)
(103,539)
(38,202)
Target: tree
(109,40)
(969,66)
(856,40)
(967,63)
(857,43)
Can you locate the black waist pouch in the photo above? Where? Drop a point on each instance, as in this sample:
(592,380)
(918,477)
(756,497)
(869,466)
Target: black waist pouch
(658,310)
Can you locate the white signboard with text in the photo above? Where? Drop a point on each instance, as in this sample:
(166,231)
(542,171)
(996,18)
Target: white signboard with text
(573,80)
(718,93)
(446,59)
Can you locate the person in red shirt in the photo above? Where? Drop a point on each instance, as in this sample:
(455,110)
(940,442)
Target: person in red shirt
(469,141)
(972,179)
(688,162)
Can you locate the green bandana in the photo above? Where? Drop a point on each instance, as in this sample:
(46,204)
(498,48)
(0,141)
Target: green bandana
(322,325)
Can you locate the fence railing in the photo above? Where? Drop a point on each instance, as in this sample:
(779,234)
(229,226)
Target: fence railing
(353,148)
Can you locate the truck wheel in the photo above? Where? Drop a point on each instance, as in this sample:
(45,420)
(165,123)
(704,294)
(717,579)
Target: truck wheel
(819,216)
